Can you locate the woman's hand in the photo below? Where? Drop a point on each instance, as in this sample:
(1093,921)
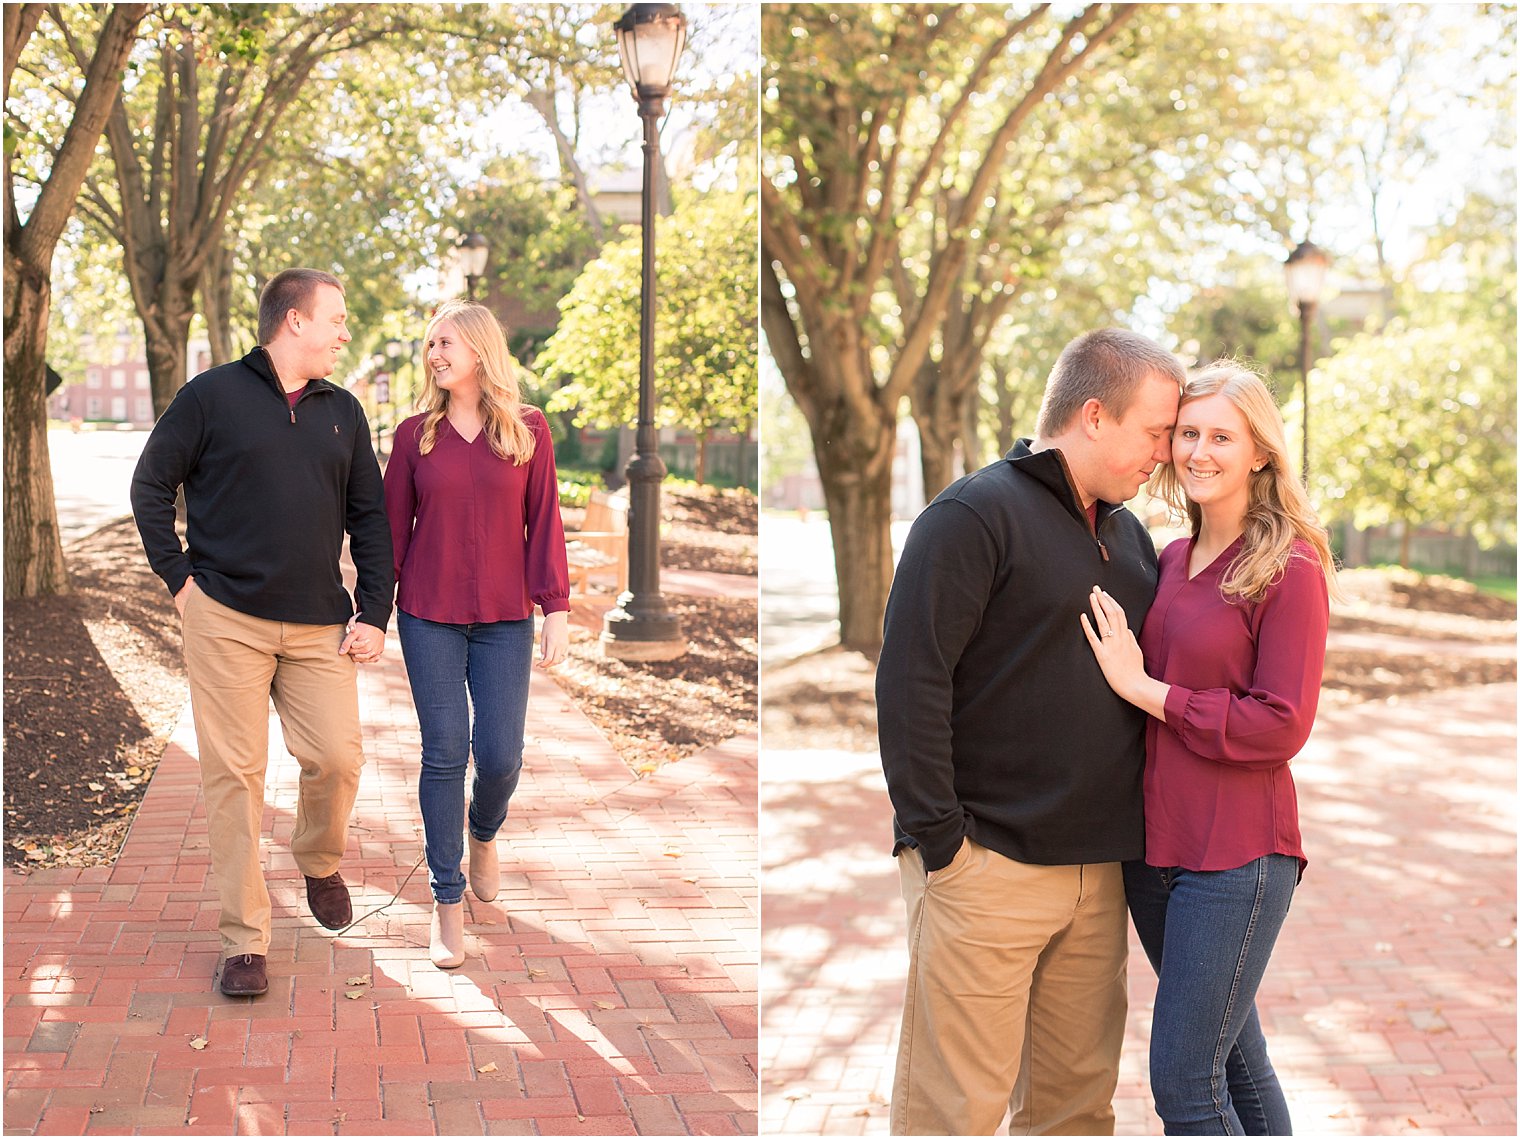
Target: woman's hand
(364,644)
(554,641)
(1119,655)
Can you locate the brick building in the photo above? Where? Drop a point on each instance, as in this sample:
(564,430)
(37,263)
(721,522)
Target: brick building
(114,388)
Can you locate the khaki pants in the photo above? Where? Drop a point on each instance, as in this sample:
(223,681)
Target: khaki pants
(235,664)
(1016,997)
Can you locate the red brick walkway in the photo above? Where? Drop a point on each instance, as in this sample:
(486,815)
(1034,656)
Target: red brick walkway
(611,988)
(1390,1002)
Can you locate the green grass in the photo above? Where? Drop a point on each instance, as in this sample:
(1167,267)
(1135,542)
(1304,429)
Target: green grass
(1496,585)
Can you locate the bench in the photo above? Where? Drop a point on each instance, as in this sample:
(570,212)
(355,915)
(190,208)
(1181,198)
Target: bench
(601,544)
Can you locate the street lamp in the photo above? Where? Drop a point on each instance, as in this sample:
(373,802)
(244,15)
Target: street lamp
(473,251)
(642,627)
(1306,267)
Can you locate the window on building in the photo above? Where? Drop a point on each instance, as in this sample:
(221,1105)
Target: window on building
(118,377)
(92,407)
(119,407)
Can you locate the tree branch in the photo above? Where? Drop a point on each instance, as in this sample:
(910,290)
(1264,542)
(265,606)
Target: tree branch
(102,83)
(20,22)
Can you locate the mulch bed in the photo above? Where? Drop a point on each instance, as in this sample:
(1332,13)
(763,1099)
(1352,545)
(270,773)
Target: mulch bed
(826,699)
(94,682)
(656,712)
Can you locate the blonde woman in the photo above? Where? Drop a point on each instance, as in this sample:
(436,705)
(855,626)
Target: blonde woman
(1228,668)
(474,512)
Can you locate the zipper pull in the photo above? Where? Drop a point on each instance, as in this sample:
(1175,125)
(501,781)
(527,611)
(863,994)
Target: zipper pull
(292,414)
(1102,549)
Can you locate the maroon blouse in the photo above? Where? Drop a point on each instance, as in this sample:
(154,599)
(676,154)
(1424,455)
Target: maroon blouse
(1245,682)
(477,538)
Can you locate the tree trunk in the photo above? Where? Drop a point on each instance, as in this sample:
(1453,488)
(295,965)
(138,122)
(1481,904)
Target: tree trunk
(701,471)
(1006,427)
(1404,532)
(547,107)
(33,549)
(971,435)
(216,305)
(939,409)
(167,336)
(856,470)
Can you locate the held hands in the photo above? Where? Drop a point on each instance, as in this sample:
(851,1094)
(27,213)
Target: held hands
(365,644)
(554,642)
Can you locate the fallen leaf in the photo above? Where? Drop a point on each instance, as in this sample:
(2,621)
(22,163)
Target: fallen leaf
(605,1004)
(693,881)
(97,786)
(354,994)
(199,1043)
(580,1117)
(361,980)
(491,1067)
(134,771)
(672,853)
(538,972)
(796,1094)
(864,1111)
(191,1120)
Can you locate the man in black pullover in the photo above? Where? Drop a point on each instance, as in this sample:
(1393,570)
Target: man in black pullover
(276,466)
(1013,769)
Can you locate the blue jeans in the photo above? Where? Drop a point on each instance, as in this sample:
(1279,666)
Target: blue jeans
(1209,935)
(492,662)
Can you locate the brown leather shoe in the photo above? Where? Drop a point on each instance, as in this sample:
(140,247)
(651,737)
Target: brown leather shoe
(328,899)
(244,975)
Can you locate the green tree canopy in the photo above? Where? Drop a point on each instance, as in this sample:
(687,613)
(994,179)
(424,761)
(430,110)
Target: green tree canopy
(706,370)
(1417,425)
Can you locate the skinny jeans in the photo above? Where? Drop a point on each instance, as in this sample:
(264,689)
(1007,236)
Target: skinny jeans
(1209,936)
(470,687)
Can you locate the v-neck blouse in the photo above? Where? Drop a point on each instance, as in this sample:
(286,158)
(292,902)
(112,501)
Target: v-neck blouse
(1245,679)
(477,538)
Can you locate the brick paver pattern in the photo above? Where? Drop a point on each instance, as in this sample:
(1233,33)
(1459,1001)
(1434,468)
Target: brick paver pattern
(1390,1002)
(610,988)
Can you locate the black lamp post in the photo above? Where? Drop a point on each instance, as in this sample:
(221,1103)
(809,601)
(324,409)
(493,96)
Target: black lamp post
(1306,267)
(473,251)
(642,627)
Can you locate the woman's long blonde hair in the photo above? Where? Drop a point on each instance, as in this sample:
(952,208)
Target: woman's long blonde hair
(500,397)
(1277,511)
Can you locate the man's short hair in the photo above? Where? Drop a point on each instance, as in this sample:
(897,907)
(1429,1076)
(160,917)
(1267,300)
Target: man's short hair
(1108,365)
(290,289)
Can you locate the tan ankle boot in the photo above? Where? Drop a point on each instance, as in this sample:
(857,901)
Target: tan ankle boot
(485,869)
(447,950)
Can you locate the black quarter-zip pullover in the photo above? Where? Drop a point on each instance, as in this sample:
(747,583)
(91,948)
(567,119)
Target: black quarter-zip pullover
(995,720)
(270,490)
